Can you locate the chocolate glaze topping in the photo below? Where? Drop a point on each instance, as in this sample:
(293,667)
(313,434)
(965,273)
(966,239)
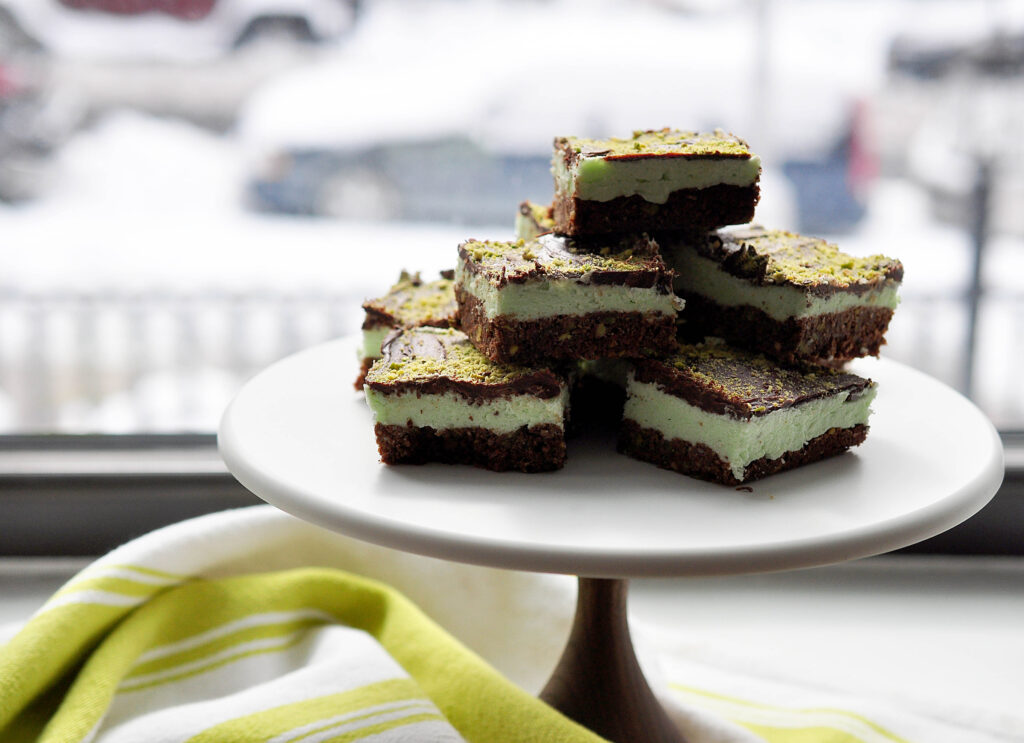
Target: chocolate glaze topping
(412,302)
(630,261)
(539,215)
(655,143)
(727,381)
(435,360)
(765,257)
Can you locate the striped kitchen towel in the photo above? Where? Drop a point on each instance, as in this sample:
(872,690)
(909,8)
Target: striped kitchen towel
(241,626)
(251,625)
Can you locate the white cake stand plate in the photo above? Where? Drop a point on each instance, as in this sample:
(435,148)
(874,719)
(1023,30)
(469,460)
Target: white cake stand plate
(298,436)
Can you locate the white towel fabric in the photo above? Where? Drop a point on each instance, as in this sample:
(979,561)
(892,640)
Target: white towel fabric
(518,622)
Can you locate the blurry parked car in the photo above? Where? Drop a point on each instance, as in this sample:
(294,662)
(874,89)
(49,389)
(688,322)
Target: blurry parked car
(180,30)
(34,121)
(449,179)
(431,81)
(191,59)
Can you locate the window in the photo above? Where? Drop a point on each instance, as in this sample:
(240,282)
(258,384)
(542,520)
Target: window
(191,192)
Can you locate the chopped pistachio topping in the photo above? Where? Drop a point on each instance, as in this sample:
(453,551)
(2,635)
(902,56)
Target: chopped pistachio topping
(533,220)
(751,378)
(541,214)
(411,301)
(660,142)
(561,255)
(443,352)
(780,257)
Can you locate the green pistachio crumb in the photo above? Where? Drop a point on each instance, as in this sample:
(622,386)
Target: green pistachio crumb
(781,257)
(664,141)
(459,361)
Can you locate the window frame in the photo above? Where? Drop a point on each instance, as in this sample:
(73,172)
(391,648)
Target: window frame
(83,494)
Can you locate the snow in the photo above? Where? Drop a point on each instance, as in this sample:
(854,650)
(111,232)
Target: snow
(495,71)
(150,204)
(515,74)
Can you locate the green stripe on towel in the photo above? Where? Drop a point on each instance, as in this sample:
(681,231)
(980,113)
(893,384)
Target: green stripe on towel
(341,708)
(790,724)
(188,630)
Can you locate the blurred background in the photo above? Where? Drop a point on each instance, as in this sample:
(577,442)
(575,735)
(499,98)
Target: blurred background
(190,189)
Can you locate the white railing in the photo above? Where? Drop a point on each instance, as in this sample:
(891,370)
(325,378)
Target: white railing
(118,362)
(125,362)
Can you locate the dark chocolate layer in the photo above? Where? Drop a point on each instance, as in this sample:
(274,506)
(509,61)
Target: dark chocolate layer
(727,381)
(591,336)
(535,449)
(700,461)
(688,209)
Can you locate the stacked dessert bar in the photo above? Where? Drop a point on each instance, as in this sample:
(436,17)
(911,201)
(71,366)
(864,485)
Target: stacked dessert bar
(721,343)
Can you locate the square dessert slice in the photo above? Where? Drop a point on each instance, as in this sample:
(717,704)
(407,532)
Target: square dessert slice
(795,298)
(410,303)
(556,298)
(655,180)
(435,398)
(730,416)
(533,220)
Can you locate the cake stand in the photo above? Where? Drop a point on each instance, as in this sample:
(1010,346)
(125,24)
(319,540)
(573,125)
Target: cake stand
(298,436)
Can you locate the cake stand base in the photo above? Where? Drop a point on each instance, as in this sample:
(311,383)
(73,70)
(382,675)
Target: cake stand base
(598,682)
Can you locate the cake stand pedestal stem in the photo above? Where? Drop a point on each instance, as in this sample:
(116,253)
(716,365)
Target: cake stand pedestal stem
(598,682)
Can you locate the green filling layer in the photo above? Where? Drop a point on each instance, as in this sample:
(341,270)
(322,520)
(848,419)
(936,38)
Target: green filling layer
(372,339)
(553,297)
(450,410)
(654,180)
(742,441)
(700,275)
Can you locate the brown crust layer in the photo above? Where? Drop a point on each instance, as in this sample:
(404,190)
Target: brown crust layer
(535,449)
(831,339)
(363,368)
(698,460)
(592,336)
(686,209)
